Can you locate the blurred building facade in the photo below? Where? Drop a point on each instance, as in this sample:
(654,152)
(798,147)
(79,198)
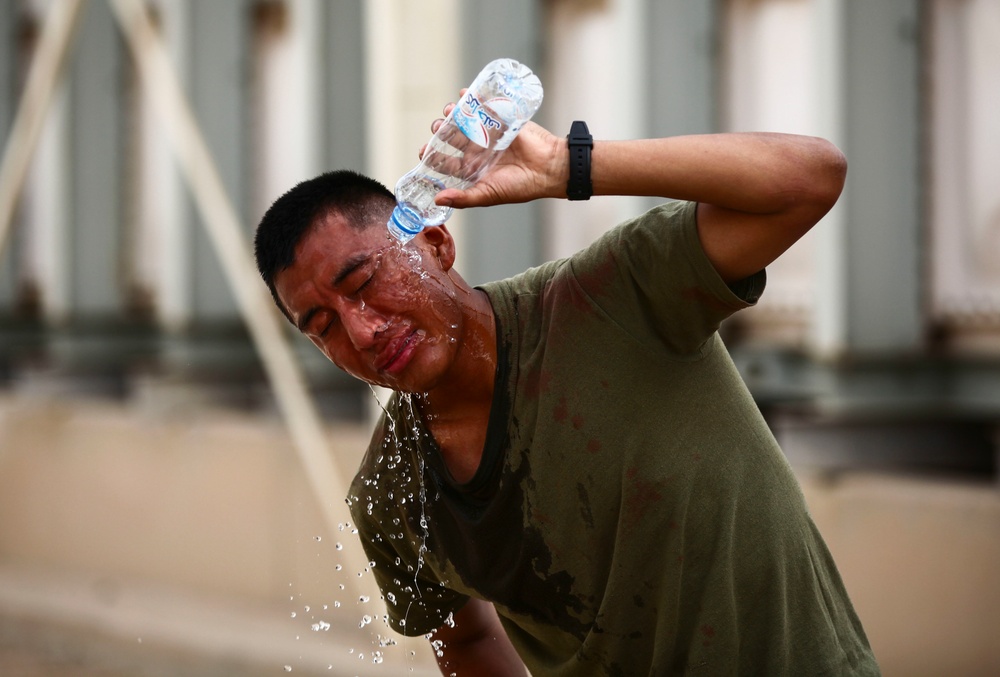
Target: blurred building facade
(876,346)
(106,241)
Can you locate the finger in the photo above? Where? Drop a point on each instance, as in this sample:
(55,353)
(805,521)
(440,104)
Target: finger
(449,107)
(436,125)
(448,197)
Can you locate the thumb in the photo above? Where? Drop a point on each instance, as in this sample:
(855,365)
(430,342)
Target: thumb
(452,197)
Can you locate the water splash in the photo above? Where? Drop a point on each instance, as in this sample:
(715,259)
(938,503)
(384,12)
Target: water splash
(395,459)
(407,399)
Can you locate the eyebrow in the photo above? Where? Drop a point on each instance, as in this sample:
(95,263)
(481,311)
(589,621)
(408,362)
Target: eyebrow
(349,267)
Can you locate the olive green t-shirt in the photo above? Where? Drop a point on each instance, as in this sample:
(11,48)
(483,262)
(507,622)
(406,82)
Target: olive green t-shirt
(632,513)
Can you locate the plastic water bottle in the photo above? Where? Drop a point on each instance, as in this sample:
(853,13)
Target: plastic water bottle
(502,98)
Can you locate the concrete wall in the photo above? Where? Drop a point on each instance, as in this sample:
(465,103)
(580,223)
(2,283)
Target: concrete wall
(920,558)
(122,517)
(180,530)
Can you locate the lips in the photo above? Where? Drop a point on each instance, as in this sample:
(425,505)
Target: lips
(396,354)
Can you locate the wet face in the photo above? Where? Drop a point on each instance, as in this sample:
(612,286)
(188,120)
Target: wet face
(384,313)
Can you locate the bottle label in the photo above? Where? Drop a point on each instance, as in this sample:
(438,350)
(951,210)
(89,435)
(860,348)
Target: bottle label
(481,122)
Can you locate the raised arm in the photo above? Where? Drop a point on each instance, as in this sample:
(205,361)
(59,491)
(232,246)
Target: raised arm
(757,193)
(477,644)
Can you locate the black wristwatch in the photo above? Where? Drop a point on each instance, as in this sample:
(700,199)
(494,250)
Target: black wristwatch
(580,145)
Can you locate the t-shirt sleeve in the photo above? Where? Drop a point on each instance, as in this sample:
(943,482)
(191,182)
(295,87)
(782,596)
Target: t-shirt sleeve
(416,601)
(652,277)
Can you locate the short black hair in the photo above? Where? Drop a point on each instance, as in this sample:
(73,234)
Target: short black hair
(361,200)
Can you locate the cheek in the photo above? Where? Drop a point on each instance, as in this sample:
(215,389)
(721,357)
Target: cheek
(345,359)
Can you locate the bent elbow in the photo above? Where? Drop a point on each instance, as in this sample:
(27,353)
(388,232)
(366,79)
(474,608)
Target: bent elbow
(819,181)
(833,174)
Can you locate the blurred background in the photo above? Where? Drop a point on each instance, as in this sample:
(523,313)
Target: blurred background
(162,509)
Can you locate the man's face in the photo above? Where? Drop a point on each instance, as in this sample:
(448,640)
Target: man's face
(384,313)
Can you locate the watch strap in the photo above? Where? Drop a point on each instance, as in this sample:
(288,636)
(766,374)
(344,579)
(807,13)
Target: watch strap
(581,143)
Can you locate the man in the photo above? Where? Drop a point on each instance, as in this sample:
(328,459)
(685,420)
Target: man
(571,475)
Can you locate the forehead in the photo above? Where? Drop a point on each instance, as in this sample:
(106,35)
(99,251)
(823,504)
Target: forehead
(332,236)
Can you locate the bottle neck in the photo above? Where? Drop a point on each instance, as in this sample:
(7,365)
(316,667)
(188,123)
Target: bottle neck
(402,225)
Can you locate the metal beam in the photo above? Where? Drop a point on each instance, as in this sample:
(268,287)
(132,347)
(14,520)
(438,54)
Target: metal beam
(44,77)
(869,267)
(327,481)
(504,240)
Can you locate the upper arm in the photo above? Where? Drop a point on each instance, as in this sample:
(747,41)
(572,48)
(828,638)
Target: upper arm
(741,243)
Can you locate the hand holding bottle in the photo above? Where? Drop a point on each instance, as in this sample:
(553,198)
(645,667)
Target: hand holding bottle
(466,144)
(533,167)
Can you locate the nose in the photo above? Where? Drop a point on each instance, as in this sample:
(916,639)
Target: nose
(363,325)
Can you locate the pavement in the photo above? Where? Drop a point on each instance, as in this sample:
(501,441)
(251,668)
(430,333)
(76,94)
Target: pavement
(62,624)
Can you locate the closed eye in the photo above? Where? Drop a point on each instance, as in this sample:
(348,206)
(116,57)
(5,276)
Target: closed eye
(326,328)
(371,277)
(365,284)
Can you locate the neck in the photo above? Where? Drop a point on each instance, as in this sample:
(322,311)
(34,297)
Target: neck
(457,412)
(471,382)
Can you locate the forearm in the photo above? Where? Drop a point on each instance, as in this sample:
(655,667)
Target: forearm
(750,173)
(753,173)
(476,644)
(491,656)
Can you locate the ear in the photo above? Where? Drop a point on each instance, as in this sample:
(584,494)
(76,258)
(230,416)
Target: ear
(442,244)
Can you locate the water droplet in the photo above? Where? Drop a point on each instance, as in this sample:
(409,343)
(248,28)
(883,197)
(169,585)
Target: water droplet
(293,614)
(288,668)
(339,546)
(318,538)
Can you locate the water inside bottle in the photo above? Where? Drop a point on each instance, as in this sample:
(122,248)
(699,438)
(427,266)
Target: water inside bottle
(415,204)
